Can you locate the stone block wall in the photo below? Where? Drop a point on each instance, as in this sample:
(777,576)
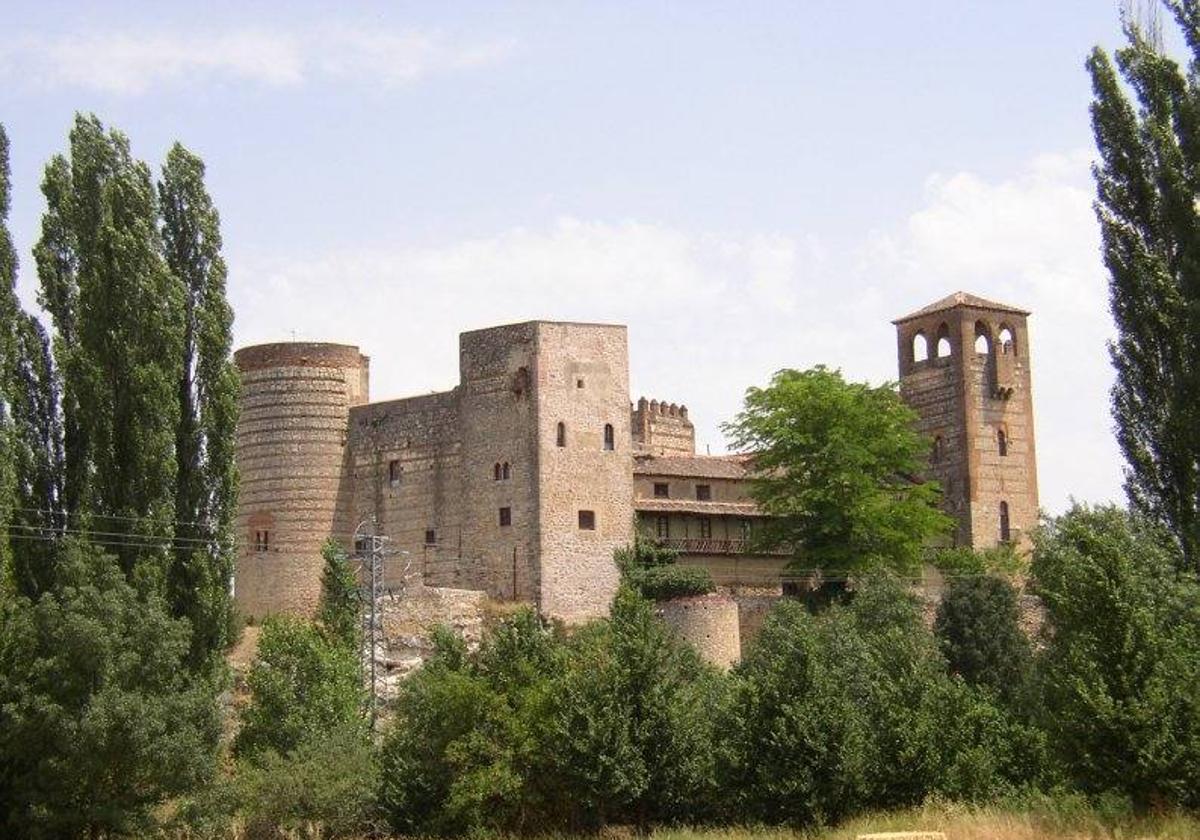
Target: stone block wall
(406,456)
(581,380)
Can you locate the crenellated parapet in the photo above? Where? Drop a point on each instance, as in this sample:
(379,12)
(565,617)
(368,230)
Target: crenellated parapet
(662,428)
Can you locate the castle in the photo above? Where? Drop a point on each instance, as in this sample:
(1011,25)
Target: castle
(523,479)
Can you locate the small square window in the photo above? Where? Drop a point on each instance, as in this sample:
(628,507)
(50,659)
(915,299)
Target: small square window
(430,537)
(587,520)
(578,383)
(703,492)
(505,517)
(662,491)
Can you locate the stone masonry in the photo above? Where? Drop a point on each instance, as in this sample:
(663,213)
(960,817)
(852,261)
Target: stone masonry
(521,481)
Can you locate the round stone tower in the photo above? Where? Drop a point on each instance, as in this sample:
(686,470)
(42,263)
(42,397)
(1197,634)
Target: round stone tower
(294,476)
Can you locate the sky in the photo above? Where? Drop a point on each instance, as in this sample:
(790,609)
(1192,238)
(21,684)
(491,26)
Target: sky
(748,186)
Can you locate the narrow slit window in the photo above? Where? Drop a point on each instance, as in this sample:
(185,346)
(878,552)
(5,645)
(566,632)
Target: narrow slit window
(496,472)
(1005,529)
(936,454)
(505,517)
(561,434)
(394,472)
(610,440)
(662,528)
(505,471)
(706,527)
(1002,442)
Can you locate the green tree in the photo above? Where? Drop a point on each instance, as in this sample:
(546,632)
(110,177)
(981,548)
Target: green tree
(978,625)
(31,460)
(1120,678)
(118,313)
(837,465)
(301,685)
(1147,182)
(100,720)
(340,613)
(205,480)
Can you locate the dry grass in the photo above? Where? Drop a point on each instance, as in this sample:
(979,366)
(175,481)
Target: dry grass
(962,823)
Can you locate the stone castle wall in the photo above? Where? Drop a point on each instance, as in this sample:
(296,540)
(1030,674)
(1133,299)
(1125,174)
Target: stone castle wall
(582,381)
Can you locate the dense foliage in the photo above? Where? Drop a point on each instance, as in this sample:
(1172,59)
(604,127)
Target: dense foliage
(1120,677)
(978,626)
(837,466)
(651,570)
(100,719)
(1147,182)
(302,684)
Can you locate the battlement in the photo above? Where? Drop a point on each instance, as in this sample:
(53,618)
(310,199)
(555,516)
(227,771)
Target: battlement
(662,428)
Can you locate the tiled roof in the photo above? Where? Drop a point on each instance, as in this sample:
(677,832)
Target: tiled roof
(695,466)
(960,299)
(651,505)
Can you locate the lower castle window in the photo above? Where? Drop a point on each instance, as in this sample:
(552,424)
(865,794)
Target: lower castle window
(431,537)
(393,473)
(587,520)
(262,541)
(505,517)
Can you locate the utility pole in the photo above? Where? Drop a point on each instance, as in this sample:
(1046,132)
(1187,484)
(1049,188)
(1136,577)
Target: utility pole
(369,549)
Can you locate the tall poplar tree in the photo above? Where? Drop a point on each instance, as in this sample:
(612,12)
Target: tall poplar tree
(31,467)
(205,481)
(118,313)
(1148,188)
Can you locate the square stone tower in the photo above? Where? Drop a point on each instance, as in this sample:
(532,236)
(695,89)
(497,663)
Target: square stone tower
(964,368)
(549,403)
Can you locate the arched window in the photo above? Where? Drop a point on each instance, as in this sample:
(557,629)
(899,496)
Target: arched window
(610,441)
(920,347)
(1002,441)
(496,472)
(505,473)
(1008,342)
(935,456)
(561,436)
(943,342)
(1005,531)
(983,339)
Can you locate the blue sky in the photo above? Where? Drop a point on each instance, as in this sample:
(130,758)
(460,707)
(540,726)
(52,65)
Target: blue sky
(748,186)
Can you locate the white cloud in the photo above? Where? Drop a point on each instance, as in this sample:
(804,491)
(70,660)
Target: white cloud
(129,64)
(711,314)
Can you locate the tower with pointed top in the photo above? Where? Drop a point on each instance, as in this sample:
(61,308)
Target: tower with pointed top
(964,368)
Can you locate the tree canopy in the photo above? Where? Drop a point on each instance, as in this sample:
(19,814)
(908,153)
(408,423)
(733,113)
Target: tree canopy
(838,465)
(1148,180)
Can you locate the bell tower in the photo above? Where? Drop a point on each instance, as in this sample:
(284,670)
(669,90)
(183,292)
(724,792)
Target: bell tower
(964,368)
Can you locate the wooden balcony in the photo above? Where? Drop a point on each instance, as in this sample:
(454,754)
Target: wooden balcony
(702,545)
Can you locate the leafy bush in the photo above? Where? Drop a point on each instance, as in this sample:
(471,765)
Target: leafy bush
(1120,677)
(978,626)
(302,686)
(650,570)
(100,717)
(852,709)
(340,614)
(460,753)
(662,583)
(325,786)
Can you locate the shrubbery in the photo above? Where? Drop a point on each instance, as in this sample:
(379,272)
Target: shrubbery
(651,570)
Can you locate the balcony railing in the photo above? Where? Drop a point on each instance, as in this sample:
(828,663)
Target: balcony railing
(702,545)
